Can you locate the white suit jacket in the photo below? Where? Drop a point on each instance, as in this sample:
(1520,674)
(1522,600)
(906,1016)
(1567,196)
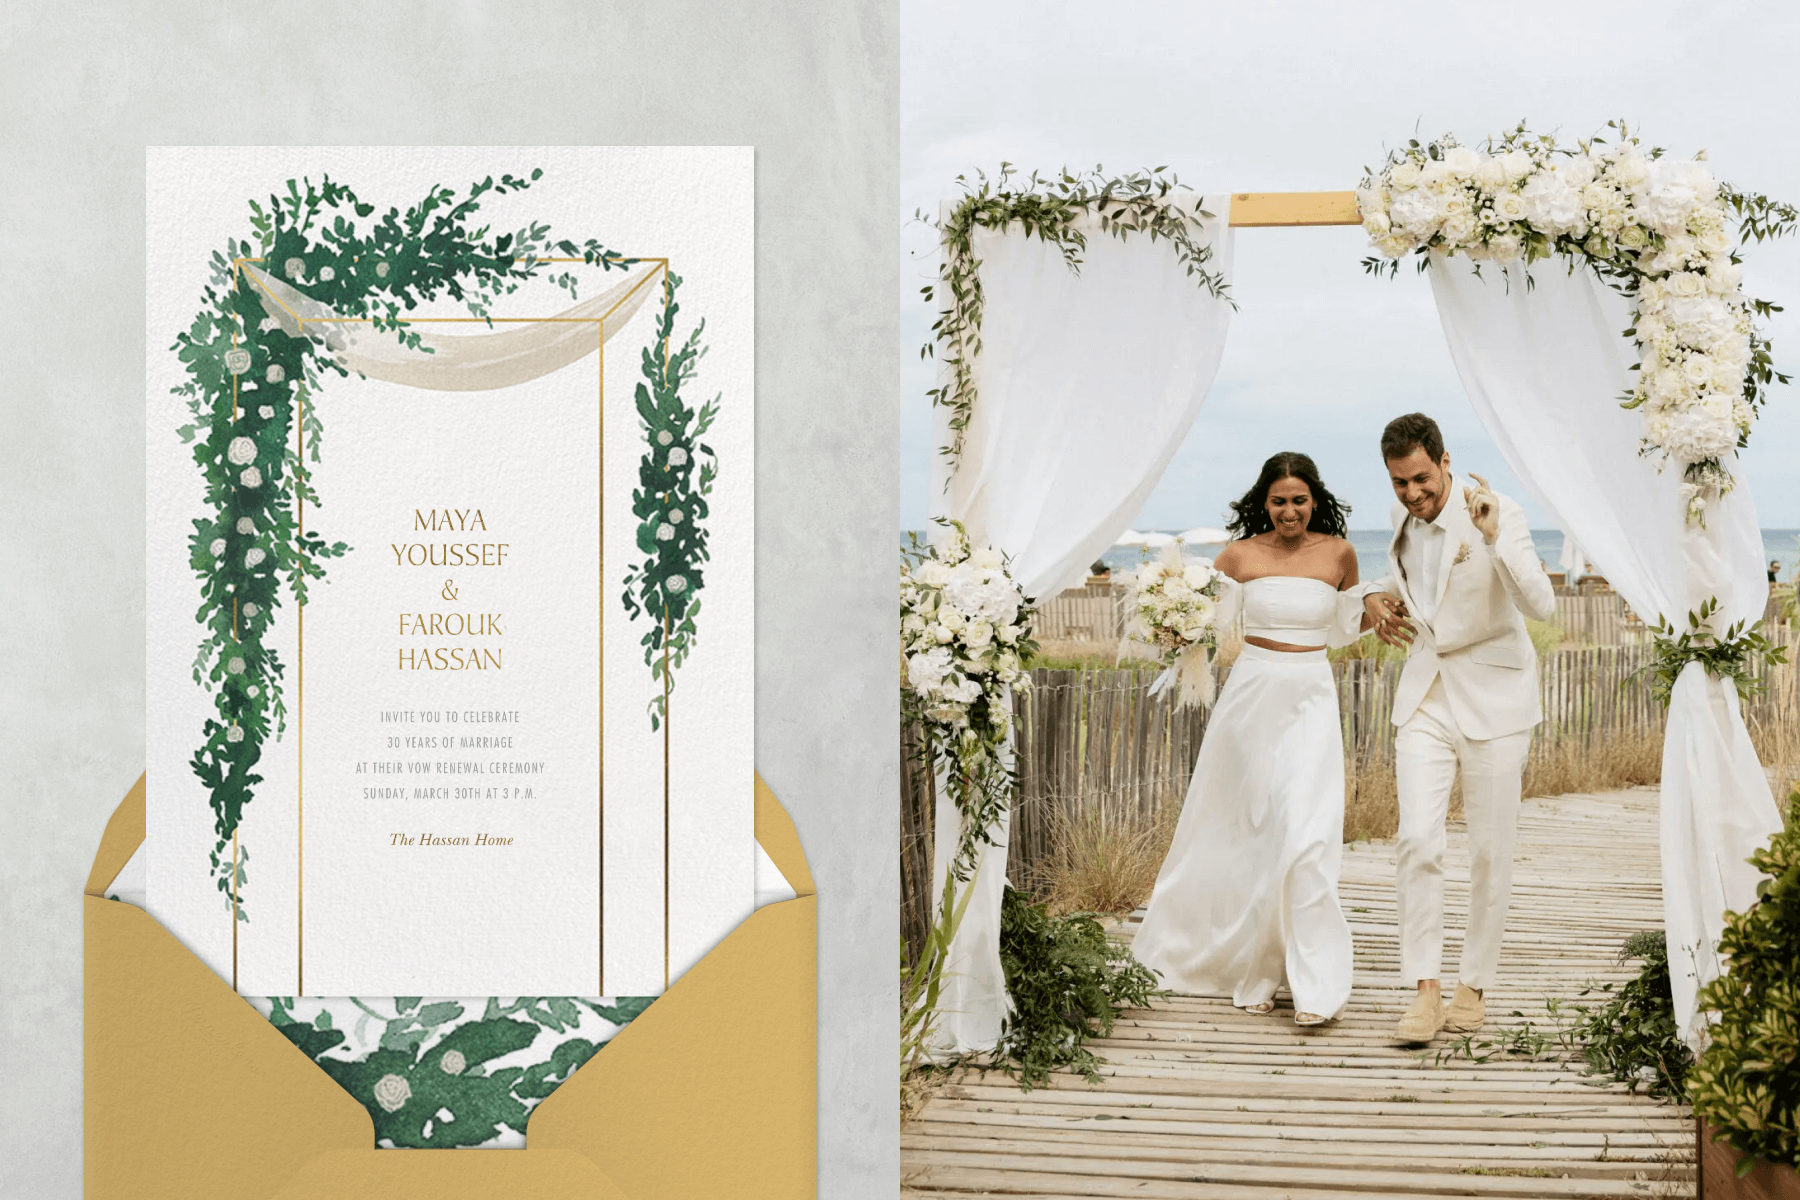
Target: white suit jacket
(1476,639)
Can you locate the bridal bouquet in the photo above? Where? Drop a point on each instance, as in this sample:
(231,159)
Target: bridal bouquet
(964,632)
(1656,228)
(1174,606)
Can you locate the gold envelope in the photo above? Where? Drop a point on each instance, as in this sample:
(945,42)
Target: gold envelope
(191,1093)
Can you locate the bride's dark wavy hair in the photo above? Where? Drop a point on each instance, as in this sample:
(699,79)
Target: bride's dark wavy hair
(1330,515)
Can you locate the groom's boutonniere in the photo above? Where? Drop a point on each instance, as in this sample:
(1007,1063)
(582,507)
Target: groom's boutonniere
(1462,554)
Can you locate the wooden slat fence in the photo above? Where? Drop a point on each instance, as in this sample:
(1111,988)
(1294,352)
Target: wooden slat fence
(1088,735)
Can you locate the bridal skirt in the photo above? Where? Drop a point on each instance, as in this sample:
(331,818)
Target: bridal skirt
(1248,897)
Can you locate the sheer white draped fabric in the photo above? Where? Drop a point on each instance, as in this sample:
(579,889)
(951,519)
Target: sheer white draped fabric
(513,353)
(1544,367)
(1087,384)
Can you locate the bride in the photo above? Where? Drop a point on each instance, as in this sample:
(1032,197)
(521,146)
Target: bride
(1247,898)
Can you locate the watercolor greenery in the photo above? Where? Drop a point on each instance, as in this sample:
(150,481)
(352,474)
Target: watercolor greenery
(430,1083)
(675,478)
(251,387)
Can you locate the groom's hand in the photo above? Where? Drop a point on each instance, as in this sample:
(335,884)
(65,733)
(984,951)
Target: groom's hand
(1387,617)
(1484,508)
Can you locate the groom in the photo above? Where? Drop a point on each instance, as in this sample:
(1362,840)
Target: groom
(1462,578)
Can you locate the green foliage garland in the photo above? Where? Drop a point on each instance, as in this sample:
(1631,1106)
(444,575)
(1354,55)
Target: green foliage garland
(1732,655)
(1047,208)
(1067,980)
(1747,1082)
(250,384)
(675,477)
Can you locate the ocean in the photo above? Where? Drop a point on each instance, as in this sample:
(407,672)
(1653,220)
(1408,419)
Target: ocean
(1782,545)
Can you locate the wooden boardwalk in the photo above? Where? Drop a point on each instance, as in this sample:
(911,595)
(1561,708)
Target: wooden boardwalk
(1203,1102)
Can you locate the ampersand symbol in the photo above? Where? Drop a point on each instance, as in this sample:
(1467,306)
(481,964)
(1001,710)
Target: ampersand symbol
(449,592)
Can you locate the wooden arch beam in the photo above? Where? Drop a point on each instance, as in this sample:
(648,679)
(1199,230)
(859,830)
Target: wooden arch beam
(1252,210)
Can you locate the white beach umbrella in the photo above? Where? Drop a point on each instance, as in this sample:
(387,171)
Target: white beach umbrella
(1150,541)
(1205,536)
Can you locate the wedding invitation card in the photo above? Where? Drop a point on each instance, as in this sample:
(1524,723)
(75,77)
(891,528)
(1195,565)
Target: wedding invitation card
(449,462)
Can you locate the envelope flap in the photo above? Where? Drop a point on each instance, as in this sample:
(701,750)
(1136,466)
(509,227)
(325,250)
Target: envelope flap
(124,834)
(713,1090)
(780,841)
(189,1091)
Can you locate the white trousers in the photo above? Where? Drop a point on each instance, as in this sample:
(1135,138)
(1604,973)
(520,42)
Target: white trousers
(1428,749)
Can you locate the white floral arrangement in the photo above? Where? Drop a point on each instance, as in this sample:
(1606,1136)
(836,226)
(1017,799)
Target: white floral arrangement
(965,632)
(1174,610)
(1657,228)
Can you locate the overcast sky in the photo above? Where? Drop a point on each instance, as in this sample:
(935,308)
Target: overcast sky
(1300,97)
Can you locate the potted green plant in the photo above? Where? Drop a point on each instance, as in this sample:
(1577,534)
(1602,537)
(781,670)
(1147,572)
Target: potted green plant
(1745,1089)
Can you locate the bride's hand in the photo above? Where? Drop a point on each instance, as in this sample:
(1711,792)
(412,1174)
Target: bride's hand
(1387,617)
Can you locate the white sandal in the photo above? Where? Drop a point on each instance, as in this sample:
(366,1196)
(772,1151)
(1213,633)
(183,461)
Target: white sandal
(1307,1020)
(1263,1009)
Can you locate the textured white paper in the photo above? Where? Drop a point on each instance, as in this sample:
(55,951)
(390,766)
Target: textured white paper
(363,913)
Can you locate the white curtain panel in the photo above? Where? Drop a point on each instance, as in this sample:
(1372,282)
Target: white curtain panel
(1086,385)
(1544,365)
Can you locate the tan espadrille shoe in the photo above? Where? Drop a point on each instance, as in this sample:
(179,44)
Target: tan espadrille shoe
(1423,1020)
(1466,1013)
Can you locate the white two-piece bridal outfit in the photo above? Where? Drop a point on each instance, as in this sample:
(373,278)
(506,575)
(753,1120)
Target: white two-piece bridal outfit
(1247,898)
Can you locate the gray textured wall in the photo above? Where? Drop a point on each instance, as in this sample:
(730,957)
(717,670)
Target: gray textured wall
(812,84)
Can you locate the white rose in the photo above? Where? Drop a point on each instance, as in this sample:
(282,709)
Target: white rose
(381,270)
(1505,248)
(1712,241)
(326,274)
(1458,228)
(677,584)
(933,573)
(217,548)
(978,634)
(253,557)
(1394,247)
(1007,633)
(678,457)
(1698,369)
(267,324)
(940,635)
(950,618)
(235,734)
(246,526)
(275,373)
(1405,173)
(1198,574)
(392,1092)
(1718,405)
(1177,589)
(1686,283)
(235,666)
(265,412)
(1490,174)
(453,1062)
(1726,378)
(1371,199)
(250,610)
(1434,175)
(295,269)
(241,450)
(253,691)
(912,623)
(665,532)
(664,437)
(1517,164)
(251,477)
(1633,237)
(988,557)
(1376,225)
(1509,206)
(1461,161)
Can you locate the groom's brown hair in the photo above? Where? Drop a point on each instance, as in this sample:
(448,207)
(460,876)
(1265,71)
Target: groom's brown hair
(1414,431)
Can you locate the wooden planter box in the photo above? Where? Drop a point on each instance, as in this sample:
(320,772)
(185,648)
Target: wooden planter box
(1718,1174)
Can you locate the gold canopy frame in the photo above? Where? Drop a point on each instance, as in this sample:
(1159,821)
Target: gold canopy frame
(657,265)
